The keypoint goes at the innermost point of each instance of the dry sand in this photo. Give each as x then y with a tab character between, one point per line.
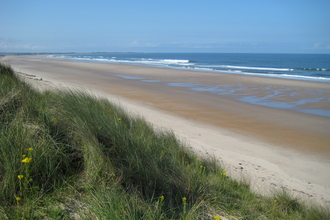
271	148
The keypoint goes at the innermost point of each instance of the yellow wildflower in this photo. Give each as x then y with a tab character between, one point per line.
20	176
162	197
184	199
18	198
30	149
275	201
27	160
216	218
118	119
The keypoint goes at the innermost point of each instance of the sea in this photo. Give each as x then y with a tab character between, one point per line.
307	67
310	67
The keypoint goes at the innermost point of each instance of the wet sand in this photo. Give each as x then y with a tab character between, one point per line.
274	148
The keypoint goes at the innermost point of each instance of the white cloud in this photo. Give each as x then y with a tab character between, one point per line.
4	43
137	44
321	46
11	44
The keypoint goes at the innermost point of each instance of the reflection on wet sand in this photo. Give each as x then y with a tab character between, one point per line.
310	101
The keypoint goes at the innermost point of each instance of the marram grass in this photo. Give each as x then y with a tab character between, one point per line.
69	155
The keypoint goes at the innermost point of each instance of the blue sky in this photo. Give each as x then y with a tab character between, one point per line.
234	26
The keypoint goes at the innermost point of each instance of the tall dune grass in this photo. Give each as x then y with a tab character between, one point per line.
88	159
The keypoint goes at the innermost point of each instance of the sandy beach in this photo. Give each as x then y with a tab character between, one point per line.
271	148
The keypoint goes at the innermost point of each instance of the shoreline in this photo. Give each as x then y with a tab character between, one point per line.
192	63
244	137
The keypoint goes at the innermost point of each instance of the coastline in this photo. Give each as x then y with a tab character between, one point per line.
273	148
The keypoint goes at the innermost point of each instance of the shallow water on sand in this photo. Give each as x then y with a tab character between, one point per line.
310	101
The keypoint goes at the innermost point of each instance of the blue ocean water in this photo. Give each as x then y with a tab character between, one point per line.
310	67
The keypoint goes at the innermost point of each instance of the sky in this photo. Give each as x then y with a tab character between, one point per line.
221	26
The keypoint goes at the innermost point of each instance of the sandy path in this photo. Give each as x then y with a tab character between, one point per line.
272	148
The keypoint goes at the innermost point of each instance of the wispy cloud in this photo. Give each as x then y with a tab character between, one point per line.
138	44
321	46
210	44
8	44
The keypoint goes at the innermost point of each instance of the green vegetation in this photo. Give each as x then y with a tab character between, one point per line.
69	155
